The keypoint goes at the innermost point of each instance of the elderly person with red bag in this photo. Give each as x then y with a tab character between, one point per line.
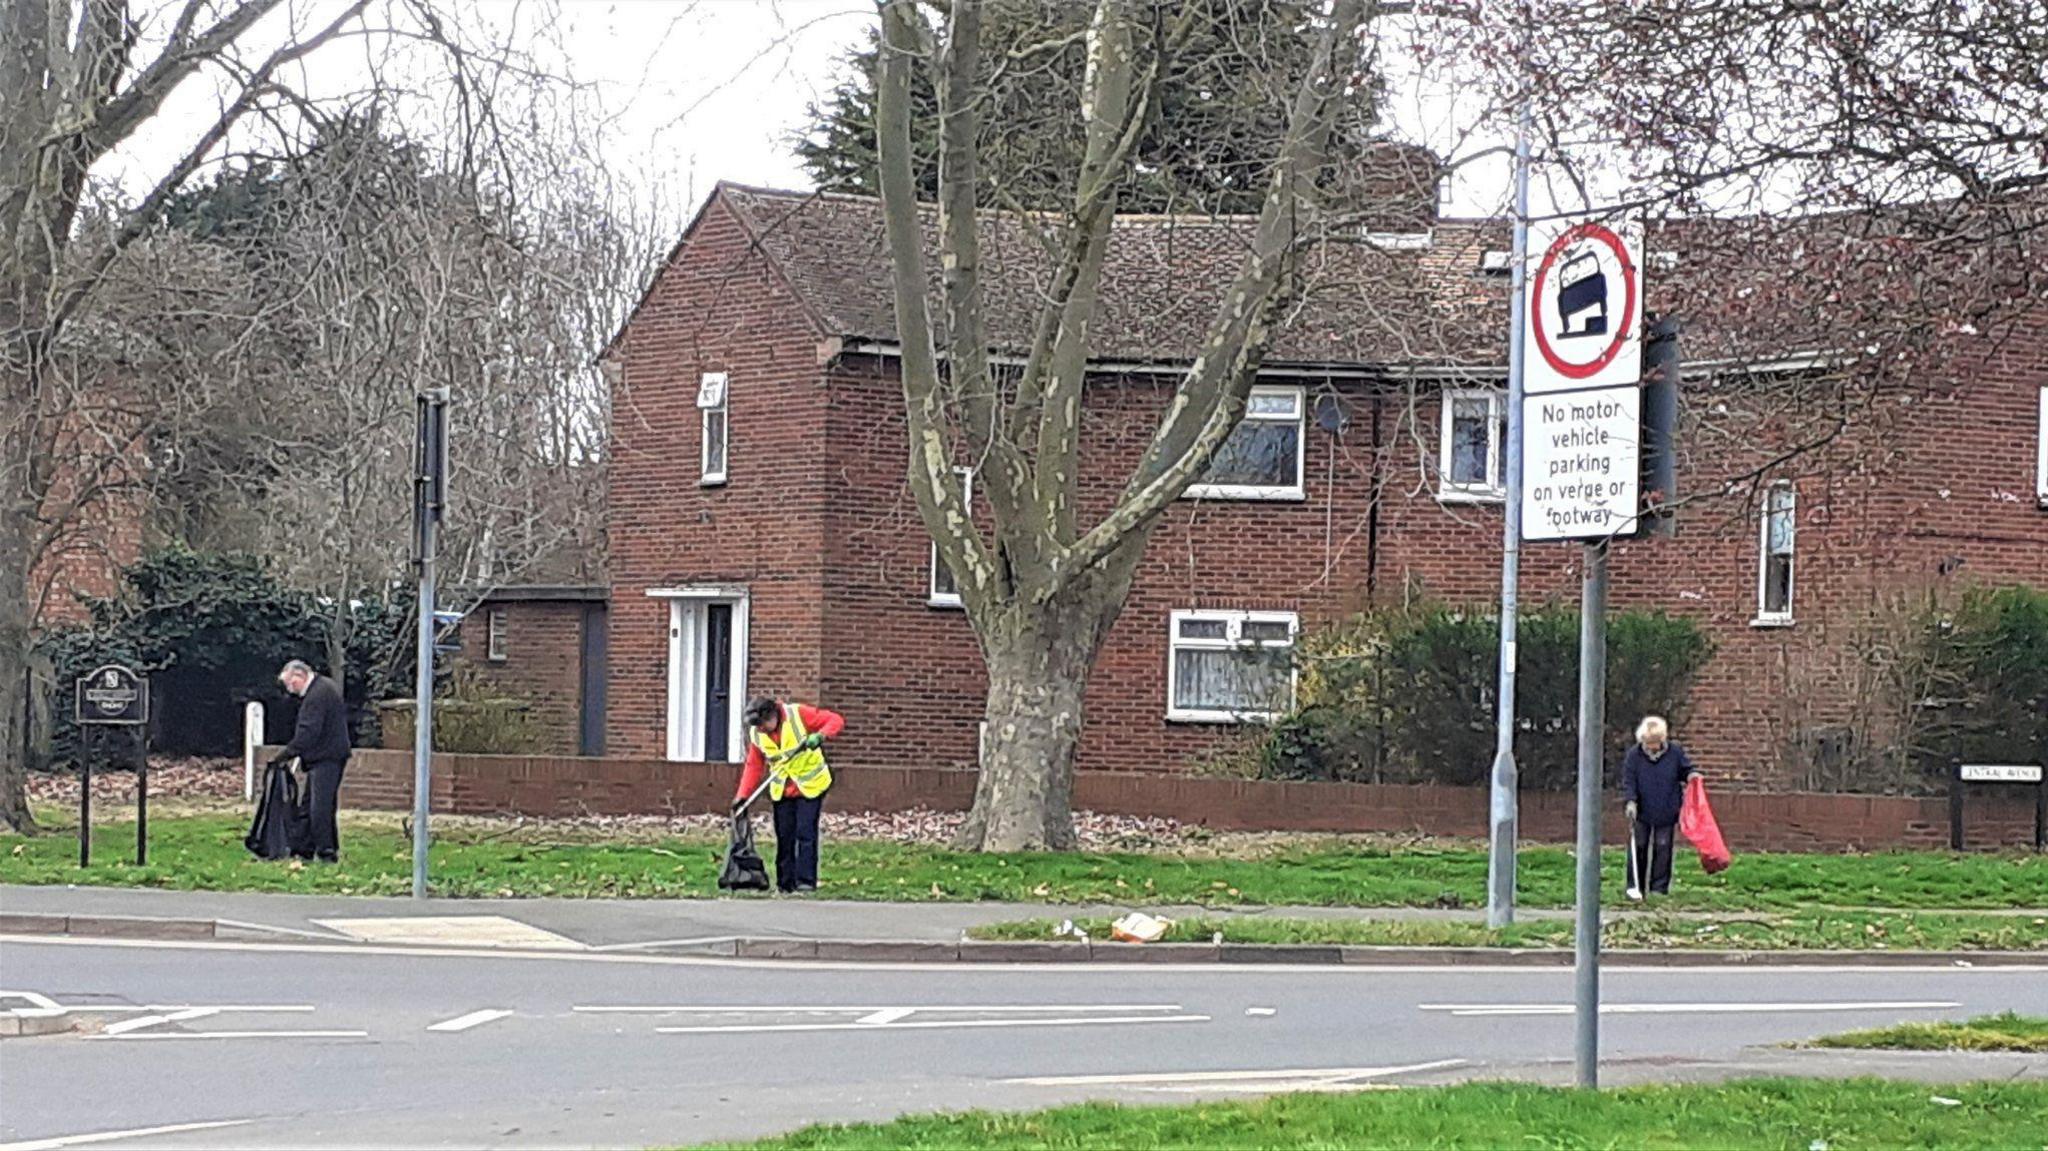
1653	794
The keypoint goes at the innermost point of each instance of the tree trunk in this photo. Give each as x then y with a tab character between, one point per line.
1038	665
16	638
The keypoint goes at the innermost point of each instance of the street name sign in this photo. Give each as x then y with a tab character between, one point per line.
1582	397
2001	773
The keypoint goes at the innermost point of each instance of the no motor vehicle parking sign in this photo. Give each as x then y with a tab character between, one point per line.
1581	373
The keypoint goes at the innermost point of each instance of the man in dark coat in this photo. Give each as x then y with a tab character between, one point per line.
1653	793
320	744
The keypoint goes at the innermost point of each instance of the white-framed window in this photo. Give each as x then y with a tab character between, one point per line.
944	590
1262	459
1472	456
1230	666
1776	539
2041	452
494	634
711	402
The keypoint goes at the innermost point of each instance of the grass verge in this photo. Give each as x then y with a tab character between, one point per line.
475	858
1831	930
1840	1115
2005	1031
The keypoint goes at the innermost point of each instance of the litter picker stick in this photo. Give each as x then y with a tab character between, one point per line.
749	801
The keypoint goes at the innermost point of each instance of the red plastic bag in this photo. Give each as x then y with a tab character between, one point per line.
1696	821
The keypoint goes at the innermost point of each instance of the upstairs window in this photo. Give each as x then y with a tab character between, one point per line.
1230	666
711	398
1472	463
1775	547
2041	452
1262	459
494	626
945	591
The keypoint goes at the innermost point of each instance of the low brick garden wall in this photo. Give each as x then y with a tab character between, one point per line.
568	786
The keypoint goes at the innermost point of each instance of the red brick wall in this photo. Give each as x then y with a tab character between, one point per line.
543	665
716	307
507	785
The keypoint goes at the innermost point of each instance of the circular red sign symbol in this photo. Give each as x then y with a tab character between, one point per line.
1540	316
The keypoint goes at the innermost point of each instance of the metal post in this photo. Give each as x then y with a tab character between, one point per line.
86	737
1592	766
1503	820
430	494
142	797
1955	804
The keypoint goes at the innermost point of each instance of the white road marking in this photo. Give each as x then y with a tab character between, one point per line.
1285	1075
886	1016
473	1019
815	1009
985	970
142	1021
41	1006
1261	1011
930	1024
1685	1008
132	1133
232	1035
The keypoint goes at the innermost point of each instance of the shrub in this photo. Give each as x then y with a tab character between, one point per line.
1408	696
1979	672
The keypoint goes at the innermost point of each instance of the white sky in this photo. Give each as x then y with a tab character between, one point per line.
695	91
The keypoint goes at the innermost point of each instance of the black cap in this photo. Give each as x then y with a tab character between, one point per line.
760	710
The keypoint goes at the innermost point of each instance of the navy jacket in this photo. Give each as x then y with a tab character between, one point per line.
1656	786
322	732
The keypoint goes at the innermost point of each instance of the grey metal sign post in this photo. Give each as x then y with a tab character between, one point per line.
112	696
1581	435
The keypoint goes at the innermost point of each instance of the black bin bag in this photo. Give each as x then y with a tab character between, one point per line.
743	870
283	825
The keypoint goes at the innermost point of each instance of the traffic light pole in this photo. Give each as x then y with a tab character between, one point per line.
429	498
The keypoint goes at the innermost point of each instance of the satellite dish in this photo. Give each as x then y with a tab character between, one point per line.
1330	414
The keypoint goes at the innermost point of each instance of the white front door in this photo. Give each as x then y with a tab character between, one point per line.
707	675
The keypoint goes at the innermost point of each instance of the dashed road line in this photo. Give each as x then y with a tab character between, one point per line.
930	1024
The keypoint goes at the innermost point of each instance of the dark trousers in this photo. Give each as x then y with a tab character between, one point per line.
1650	847
323	782
796	842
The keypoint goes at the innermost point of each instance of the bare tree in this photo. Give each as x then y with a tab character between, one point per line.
1042	587
76	83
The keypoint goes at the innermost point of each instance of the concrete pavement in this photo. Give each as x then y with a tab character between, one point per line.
320	1044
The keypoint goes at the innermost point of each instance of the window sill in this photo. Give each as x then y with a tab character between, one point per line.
1771	622
711	482
945	603
1246	494
497	659
1220	717
1472	496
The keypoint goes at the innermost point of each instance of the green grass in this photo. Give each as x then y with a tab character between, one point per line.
1793	1114
473	859
2005	1031
1848	930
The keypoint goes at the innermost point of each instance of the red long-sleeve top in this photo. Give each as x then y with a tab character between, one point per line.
816	720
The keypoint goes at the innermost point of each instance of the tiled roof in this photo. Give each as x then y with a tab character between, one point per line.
1362	301
1749	290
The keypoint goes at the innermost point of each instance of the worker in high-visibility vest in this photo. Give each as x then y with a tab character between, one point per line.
787	749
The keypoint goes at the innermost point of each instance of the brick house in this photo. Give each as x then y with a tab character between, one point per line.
764	540
544	645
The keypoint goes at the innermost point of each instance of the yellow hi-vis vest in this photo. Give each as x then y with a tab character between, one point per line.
789	760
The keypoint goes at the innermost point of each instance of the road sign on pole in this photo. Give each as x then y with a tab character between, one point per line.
1582	480
1582	406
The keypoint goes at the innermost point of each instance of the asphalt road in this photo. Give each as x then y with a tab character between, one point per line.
365	1046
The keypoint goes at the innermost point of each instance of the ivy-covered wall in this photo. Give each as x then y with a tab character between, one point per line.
211	631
